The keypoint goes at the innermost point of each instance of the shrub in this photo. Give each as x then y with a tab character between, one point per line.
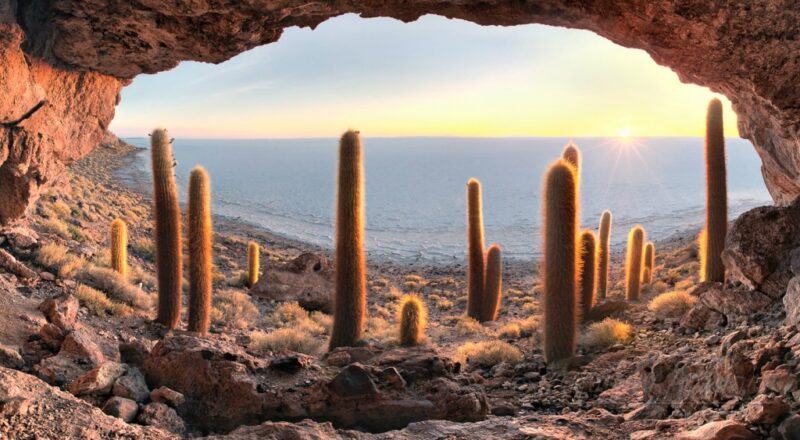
233	309
57	227
606	333
144	249
56	257
671	304
487	353
116	286
293	316
98	303
468	326
285	339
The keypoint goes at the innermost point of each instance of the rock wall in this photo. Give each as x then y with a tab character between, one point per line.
77	54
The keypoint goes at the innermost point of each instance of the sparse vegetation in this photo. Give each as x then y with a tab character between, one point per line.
115	286
468	326
487	353
98	303
671	304
606	333
285	339
57	258
293	316
234	309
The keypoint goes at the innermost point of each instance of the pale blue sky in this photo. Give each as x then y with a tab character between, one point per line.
432	77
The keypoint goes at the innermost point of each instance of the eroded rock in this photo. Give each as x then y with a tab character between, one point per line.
125	409
306	280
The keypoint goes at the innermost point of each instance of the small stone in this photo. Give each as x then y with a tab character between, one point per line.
161	416
789	429
134	352
720	430
167	396
291	364
504	409
10	358
353	381
132	386
338	359
765	409
99	380
730	339
778	380
52	335
125	409
61	311
392	378
712	340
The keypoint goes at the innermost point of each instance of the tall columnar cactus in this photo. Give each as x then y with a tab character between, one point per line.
603	253
559	268
633	264
588	270
493	286
198	233
253	265
475	262
412	317
716	195
649	262
119	247
169	263
349	311
572	154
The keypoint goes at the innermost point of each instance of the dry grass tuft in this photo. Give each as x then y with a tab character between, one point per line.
468	326
285	339
520	328
233	309
57	227
487	353
116	286
606	333
98	303
671	304
56	257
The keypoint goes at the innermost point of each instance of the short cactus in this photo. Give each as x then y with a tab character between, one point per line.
350	300
493	287
649	262
475	257
716	195
199	235
572	154
559	268
633	264
253	265
588	269
412	317
603	254
167	212
119	247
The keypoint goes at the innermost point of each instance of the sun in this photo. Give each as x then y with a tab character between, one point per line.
624	133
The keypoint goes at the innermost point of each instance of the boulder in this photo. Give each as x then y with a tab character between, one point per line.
125	409
766	409
131	386
779	380
99	381
78	355
52	335
161	416
61	311
789	429
759	246
134	352
10	357
306	280
791	302
353	382
720	430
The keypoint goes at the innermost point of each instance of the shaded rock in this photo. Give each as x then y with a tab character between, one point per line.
79	344
51	335
131	386
292	363
161	416
736	305
134	352
392	378
765	409
10	357
791	302
417	364
789	429
721	430
700	317
78	355
167	396
779	380
606	309
304	430
125	409
61	311
98	381
759	245
353	381
11	264
307	280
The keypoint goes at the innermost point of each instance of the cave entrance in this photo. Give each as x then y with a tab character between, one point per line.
439	101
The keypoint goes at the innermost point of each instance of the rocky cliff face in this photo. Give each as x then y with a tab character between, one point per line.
76	55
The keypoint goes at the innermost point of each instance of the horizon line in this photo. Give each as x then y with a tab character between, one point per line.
427	137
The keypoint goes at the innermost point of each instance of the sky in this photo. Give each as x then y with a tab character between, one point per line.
432	77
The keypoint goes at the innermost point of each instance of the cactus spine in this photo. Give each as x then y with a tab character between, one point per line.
168	230
588	270
494	283
633	264
603	255
649	262
119	247
716	195
199	238
253	253
350	289
476	266
560	208
412	318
